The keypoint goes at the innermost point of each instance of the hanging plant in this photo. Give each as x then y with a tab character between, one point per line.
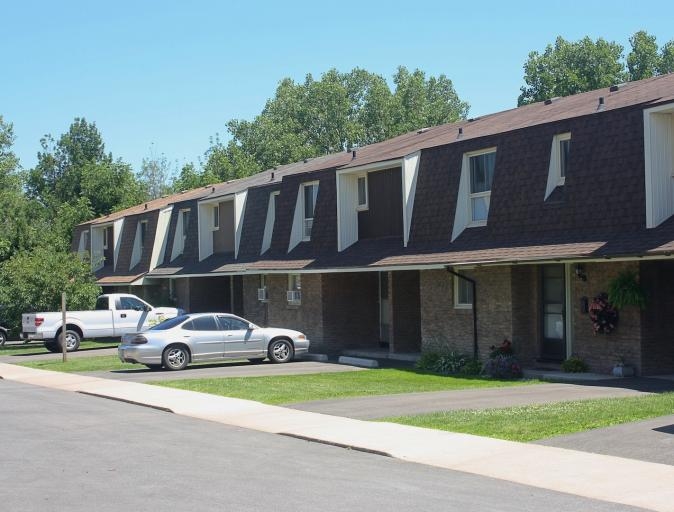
625	290
603	315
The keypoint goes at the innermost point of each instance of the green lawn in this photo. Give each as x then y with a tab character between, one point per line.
533	422
303	388
34	348
83	364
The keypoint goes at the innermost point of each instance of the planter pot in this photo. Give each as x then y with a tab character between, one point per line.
623	371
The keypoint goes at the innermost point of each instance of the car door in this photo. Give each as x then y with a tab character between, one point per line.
204	338
130	315
240	340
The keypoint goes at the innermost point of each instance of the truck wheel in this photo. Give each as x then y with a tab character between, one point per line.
72	341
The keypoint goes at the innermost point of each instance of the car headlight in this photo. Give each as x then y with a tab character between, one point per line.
301	337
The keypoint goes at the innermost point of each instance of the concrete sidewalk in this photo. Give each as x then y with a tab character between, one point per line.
608	478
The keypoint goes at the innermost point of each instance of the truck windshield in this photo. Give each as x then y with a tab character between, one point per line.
102	303
169	324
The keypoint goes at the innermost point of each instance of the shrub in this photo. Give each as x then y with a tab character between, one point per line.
502	363
446	363
428	361
574	364
472	367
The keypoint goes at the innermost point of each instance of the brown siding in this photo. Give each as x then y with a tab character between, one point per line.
384	216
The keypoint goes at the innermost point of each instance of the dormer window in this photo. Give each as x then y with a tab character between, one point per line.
309	195
559	162
105	238
185	214
216	217
362	192
143	232
481	177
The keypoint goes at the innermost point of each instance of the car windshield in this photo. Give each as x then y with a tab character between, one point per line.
169	324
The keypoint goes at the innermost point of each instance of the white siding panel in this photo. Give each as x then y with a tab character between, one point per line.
239	209
296	232
659	158
410	172
347	227
117	239
137	249
461	217
161	237
269	222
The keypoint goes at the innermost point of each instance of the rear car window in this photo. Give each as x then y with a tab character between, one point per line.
102	303
169	324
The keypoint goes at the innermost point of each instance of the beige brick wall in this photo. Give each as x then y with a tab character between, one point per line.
445	327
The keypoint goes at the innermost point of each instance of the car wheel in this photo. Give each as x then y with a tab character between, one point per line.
52	346
154	366
3	338
256	360
281	351
72	341
175	357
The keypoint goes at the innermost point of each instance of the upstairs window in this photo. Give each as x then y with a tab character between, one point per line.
143	232
559	162
105	238
362	192
310	195
481	177
186	221
216	217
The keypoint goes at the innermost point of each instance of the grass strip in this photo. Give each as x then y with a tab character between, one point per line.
290	389
33	348
534	422
82	364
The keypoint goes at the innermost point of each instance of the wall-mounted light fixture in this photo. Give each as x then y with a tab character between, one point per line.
580	272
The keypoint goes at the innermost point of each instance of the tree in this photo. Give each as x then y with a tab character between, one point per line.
571	67
339	111
33	281
77	166
189	178
156	174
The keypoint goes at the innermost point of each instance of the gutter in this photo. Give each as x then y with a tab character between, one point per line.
474	308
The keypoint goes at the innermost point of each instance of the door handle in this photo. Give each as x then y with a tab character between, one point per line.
123	315
186	335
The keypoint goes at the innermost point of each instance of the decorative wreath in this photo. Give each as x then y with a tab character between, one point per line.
603	315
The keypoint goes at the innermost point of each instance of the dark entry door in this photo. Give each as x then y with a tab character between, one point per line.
553	345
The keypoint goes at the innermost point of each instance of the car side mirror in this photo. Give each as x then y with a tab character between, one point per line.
147	308
251	327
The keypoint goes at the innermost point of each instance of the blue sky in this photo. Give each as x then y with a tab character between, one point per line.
166	76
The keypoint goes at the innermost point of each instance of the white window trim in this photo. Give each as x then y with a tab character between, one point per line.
467	156
304	219
555	178
457	304
215	222
366	205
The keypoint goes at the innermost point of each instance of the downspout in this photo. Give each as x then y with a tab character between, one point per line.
474	286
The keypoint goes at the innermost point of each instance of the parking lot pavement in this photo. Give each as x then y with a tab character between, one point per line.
648	440
223	370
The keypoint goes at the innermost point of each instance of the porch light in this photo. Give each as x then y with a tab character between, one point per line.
580	273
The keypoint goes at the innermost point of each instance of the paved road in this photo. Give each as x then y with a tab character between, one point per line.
371	407
649	440
65	451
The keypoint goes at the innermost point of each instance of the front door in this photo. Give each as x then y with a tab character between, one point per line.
384	310
553	344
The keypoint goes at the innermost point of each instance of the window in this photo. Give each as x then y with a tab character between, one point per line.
229	323
105	238
130	303
169	324
564	146
202	323
294	289
362	192
85	240
262	290
186	222
310	194
481	177
216	217
102	303
143	232
463	293
559	162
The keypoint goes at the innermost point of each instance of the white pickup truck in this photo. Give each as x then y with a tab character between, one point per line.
116	314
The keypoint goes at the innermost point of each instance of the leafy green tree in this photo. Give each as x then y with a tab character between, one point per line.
33	281
190	178
643	61
77	166
156	174
568	67
339	111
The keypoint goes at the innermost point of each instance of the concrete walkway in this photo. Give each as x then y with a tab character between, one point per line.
613	479
371	407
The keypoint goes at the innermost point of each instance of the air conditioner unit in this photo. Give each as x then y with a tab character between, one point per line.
262	294
294	296
308	224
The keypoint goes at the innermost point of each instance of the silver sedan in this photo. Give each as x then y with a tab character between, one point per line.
199	337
